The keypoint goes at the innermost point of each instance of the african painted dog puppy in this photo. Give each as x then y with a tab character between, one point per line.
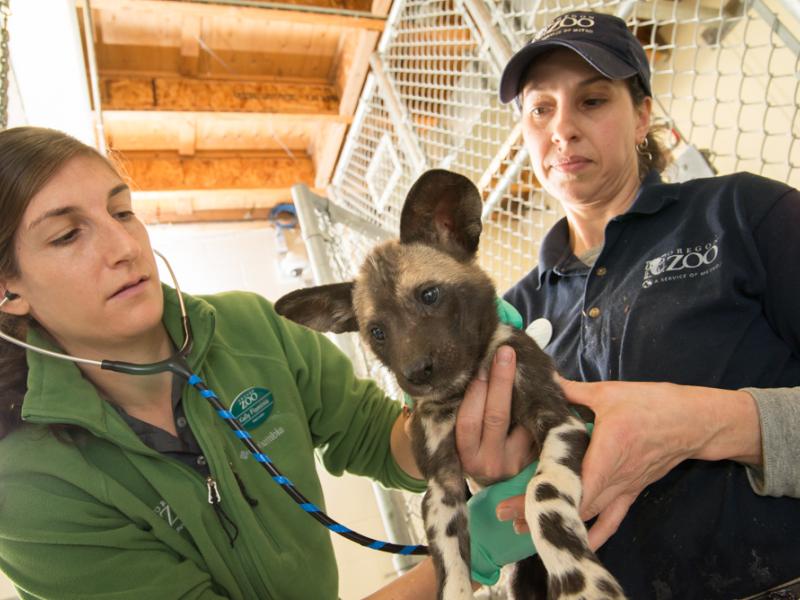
427	311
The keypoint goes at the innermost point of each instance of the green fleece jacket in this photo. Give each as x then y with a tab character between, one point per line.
100	515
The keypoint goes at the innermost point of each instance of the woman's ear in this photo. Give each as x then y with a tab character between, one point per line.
644	112
14	304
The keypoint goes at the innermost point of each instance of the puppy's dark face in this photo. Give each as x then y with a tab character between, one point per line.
427	316
422	304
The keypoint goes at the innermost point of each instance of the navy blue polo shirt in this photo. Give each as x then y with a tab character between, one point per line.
697	283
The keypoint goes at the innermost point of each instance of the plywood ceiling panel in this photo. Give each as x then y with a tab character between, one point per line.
139	93
170	171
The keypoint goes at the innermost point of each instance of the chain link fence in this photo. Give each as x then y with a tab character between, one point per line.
5	63
726	84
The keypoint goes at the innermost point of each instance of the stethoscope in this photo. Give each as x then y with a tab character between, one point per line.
177	365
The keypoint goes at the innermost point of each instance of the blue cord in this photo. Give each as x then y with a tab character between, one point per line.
289	487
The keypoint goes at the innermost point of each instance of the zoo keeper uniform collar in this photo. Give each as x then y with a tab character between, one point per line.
555	254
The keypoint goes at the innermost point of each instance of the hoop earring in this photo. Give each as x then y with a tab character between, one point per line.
642	149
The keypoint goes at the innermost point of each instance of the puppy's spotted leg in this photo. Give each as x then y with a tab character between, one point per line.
551	509
444	508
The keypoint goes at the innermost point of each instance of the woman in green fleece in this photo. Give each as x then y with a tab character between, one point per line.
115	486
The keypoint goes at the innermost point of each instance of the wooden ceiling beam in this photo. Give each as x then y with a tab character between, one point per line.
211	215
324	150
352	67
321	17
113	73
190	45
351	70
187	138
380	7
171	171
145	93
198	206
153	130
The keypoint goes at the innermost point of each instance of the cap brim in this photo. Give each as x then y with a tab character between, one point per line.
604	61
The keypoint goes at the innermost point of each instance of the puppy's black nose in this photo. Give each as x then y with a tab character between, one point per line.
419	372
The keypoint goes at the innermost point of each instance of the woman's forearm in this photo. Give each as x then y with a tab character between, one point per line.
417	584
729	424
401	447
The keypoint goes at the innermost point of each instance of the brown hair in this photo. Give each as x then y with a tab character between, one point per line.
29	157
654	156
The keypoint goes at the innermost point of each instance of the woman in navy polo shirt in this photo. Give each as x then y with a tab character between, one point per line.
674	312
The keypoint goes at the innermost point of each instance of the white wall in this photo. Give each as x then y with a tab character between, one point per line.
213	258
49	72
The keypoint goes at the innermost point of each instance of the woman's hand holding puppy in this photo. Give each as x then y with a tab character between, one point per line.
642	432
489	452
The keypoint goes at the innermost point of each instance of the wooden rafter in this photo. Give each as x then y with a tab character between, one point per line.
324	150
380	7
192	206
190	45
298	14
157	131
351	72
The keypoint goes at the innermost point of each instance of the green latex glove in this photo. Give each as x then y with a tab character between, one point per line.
508	315
494	543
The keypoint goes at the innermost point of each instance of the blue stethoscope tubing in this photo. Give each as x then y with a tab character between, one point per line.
177	364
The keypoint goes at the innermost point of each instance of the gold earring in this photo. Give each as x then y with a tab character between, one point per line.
642	149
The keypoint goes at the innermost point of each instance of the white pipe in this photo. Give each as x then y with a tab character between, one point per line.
88	28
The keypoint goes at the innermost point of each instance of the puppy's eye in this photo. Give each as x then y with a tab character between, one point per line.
377	333
430	295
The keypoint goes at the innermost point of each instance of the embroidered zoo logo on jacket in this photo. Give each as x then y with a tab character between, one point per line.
682	263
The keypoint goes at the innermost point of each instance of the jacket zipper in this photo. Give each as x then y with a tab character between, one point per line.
213	491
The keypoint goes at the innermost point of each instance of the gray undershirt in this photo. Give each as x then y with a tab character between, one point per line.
185	447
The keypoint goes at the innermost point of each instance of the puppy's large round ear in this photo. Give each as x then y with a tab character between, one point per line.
324	308
443	209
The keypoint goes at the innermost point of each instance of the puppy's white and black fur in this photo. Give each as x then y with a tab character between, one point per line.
427	311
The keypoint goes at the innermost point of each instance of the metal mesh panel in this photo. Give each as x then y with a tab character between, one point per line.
362	187
447	82
513	231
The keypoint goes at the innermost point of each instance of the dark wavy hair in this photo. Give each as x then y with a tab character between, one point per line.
655	156
29	158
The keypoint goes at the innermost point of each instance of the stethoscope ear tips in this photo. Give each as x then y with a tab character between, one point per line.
10	295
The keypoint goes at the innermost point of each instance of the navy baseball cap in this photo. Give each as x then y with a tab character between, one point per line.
604	41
